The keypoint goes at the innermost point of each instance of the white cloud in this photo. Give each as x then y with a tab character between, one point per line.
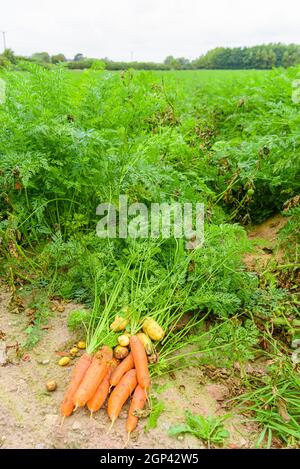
150	29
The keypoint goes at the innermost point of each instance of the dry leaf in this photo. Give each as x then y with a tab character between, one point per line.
282	410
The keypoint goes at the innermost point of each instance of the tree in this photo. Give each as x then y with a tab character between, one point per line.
42	57
78	57
291	56
171	62
9	55
55	59
4	62
262	57
183	62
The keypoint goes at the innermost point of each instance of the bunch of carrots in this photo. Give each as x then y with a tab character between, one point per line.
94	376
115	372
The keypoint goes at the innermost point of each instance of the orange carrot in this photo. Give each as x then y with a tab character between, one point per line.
93	377
140	362
125	365
78	373
120	394
138	403
102	391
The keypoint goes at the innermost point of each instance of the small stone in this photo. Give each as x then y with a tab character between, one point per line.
40	446
243	443
180	438
42	362
76	426
165	426
3	355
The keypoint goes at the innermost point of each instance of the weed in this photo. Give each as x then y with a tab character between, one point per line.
157	407
209	429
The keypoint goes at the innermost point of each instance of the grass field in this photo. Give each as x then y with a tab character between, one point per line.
228	139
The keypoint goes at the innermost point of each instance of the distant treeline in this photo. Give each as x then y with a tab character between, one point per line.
265	56
111	65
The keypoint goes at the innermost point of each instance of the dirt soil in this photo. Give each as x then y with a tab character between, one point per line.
29	414
266	249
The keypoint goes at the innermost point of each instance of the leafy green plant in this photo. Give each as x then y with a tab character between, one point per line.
41	315
78	319
156	409
233	341
209	429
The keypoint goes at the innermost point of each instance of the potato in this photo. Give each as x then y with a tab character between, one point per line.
81	344
64	361
120	352
73	351
146	341
119	324
51	386
153	329
123	340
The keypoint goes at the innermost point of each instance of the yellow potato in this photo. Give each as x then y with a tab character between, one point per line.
119	324
123	340
81	344
153	329
64	361
73	350
51	386
120	352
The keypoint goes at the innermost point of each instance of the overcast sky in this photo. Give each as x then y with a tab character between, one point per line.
145	29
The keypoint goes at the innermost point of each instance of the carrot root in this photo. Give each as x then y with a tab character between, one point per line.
94	376
125	365
127	440
78	374
140	362
120	394
110	427
138	403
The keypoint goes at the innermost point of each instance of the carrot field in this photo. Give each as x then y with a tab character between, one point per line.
155	339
